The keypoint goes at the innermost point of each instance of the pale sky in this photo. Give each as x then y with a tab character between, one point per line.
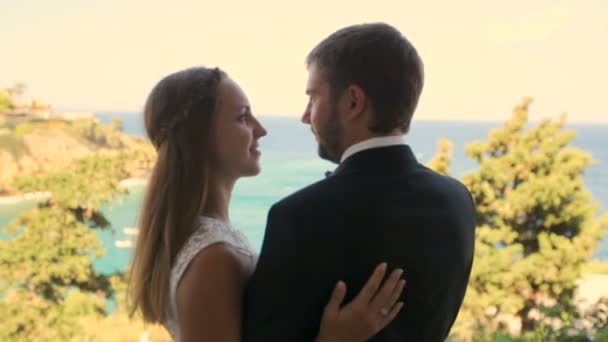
481	57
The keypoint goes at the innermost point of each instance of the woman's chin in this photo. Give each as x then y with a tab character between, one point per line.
253	171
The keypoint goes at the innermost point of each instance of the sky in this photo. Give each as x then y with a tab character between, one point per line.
481	57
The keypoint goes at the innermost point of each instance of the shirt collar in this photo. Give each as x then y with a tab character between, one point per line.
372	143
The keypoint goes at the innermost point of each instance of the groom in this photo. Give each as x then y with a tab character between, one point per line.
379	205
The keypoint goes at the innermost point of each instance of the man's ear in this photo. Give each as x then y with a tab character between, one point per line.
356	101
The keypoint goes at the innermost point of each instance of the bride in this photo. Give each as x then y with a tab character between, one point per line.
190	265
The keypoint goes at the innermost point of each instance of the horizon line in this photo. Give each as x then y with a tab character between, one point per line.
415	118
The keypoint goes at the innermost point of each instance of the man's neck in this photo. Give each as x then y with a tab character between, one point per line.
373	142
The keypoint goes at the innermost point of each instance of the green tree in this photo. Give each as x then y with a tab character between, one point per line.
100	134
6	101
47	279
537	225
118	326
443	157
116	124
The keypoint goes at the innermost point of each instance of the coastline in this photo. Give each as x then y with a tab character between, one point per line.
42	195
133	182
29	196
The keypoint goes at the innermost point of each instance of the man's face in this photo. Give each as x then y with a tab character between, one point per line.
322	114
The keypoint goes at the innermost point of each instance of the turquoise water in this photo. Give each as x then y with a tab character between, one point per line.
289	162
251	200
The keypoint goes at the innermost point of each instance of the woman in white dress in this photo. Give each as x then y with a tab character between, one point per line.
190	266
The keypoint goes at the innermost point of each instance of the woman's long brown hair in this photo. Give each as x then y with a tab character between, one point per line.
179	119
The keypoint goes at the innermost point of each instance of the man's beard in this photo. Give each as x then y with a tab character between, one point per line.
329	138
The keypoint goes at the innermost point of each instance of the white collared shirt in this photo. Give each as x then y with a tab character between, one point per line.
372	143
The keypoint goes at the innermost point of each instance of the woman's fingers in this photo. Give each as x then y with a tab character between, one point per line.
392	314
371	286
374	307
386	297
396	294
337	296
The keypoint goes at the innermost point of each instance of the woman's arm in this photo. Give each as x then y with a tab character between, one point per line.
210	292
209	296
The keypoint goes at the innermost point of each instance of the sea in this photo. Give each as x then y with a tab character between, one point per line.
289	162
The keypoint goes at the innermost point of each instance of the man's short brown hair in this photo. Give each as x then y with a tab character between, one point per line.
380	60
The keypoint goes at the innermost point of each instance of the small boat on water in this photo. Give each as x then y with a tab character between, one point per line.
123	243
130	230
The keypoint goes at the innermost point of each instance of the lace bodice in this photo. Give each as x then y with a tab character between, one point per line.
210	231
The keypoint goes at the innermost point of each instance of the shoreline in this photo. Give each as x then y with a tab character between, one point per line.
133	182
42	195
15	199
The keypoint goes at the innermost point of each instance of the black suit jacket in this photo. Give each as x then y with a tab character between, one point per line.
379	205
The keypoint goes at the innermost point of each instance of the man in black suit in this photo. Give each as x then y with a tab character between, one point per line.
379	205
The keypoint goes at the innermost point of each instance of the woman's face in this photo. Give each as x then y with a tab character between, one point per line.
237	133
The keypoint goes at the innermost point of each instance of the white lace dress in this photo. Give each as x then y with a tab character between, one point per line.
210	231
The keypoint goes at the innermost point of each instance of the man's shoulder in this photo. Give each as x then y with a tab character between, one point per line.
442	181
312	195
